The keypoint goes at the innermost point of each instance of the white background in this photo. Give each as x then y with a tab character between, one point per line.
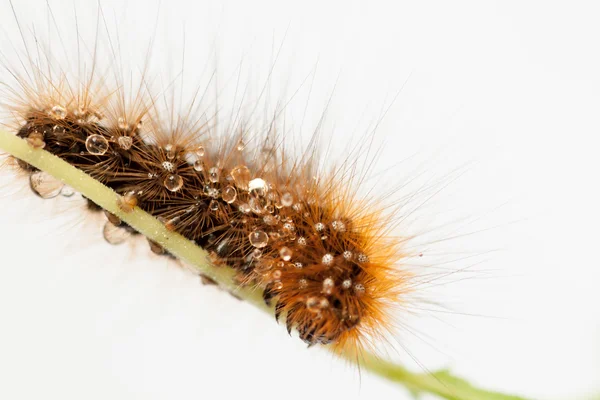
511	89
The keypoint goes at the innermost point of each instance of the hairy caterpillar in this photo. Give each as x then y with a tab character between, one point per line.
318	250
313	246
304	237
233	141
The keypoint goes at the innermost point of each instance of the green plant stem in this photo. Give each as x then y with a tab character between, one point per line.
440	383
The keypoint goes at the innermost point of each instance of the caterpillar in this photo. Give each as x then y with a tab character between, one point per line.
308	241
321	251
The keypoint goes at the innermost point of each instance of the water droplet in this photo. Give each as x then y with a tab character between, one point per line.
319	226
287	199
347	283
199	165
125	142
258	204
277	286
256	253
211	191
327	259
362	258
58	130
274	235
45	185
168	166
258	239
289	227
285	253
229	194
347	255
258	186
245	208
241	145
328	285
276	275
316	304
96	144
115	234
301	241
269	220
213	205
303	283
170	151
57	112
299	265
338	226
200	151
81	115
214	174
67	191
359	288
173	182
122	124
241	177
